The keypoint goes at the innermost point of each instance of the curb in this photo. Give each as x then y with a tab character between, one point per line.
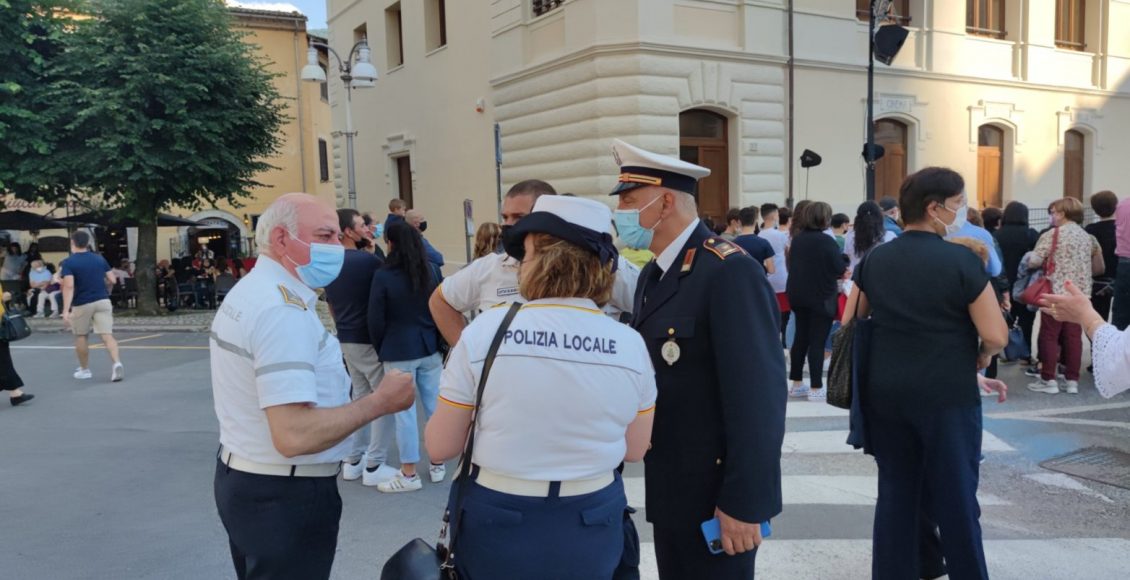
183	329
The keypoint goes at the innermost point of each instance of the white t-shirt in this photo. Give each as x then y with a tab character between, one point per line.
779	240
564	387
269	348
493	279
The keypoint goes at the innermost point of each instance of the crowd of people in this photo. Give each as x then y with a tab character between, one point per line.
553	358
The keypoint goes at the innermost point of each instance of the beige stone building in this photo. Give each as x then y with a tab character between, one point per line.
1023	97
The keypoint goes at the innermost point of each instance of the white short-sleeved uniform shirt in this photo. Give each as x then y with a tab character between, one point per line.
269	348
493	279
566	384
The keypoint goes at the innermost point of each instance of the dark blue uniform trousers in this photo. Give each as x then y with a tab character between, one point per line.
278	527
681	554
928	459
534	538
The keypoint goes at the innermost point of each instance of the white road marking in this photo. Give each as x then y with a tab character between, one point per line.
1065	481
805	409
822	559
834	442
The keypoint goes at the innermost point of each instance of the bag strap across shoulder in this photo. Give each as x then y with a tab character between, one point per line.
1049	269
469	450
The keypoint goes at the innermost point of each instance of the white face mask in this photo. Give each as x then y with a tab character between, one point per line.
960	214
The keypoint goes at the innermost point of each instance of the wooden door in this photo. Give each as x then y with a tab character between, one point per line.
990	166
703	141
890	171
404	179
1073	165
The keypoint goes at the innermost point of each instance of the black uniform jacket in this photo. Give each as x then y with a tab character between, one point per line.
720	414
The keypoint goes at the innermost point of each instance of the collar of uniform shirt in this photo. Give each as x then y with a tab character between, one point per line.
275	270
585	304
666	258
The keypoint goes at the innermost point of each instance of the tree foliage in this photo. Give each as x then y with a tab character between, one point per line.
31	36
161	104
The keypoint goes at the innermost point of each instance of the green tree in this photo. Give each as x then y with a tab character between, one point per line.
31	34
168	107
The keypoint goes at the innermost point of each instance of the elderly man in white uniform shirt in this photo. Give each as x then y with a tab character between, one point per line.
282	399
493	279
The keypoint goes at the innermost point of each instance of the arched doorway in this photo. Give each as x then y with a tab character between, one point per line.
704	140
218	235
890	171
990	166
1073	164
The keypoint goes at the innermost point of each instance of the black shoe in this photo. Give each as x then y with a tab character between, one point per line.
1032	371
20	399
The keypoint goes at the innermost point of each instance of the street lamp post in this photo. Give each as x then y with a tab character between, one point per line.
360	74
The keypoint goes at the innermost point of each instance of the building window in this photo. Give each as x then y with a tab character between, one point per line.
900	12
394	35
543	6
323	160
985	18
1070	24
990	166
890	171
404	179
1073	168
435	16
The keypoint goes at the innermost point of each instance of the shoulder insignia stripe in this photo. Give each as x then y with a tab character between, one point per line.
722	248
290	298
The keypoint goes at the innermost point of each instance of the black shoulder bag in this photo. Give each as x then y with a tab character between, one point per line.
418	560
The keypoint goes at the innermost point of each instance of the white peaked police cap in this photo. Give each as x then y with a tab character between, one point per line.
641	168
583	222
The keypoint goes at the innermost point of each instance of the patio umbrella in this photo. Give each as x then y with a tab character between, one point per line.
108	219
19	219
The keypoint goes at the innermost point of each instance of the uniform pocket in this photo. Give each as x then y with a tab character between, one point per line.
605	514
673	327
488	515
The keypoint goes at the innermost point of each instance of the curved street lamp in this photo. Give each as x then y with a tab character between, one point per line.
359	74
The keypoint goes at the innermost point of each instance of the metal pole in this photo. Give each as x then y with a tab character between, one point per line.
870	151
352	178
498	164
792	115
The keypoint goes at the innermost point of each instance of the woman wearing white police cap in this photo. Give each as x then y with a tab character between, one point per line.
569	395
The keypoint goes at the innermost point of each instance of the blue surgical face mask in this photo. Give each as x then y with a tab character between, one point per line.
325	264
630	231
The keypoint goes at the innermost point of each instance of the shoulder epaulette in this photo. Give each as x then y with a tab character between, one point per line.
721	248
291	298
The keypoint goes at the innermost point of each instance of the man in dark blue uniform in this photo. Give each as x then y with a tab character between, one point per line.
711	323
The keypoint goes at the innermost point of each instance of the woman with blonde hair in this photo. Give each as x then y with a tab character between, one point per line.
487	239
568	395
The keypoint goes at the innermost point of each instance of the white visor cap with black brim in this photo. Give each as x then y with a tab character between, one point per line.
582	222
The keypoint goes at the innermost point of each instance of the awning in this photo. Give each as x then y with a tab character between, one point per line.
19	219
109	219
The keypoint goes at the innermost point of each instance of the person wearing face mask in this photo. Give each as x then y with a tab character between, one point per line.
1067	252
348	298
415	218
39	278
961	227
710	320
282	399
935	322
493	279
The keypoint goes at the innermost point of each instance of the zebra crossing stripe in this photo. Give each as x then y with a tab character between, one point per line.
833	442
1045	558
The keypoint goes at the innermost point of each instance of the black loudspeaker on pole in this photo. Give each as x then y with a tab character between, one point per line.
808	160
884	46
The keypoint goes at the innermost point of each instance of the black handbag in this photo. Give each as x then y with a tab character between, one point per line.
846	370
418	560
14	327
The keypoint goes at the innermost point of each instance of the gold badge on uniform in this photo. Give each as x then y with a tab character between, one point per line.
670	350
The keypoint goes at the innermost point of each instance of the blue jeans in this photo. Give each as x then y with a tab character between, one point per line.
426	371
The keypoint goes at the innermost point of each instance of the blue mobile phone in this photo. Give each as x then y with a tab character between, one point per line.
712	531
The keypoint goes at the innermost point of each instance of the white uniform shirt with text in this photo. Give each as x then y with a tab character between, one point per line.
268	347
566	384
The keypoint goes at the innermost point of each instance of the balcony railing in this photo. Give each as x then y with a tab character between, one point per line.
544	6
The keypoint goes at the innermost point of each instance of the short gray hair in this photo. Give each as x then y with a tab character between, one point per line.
283	212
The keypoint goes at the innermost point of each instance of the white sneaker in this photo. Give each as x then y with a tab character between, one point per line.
401	483
437	472
118	373
827	363
377	476
817	395
83	374
1042	386
1071	387
799	391
352	471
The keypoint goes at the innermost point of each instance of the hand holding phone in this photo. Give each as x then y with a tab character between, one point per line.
712	532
